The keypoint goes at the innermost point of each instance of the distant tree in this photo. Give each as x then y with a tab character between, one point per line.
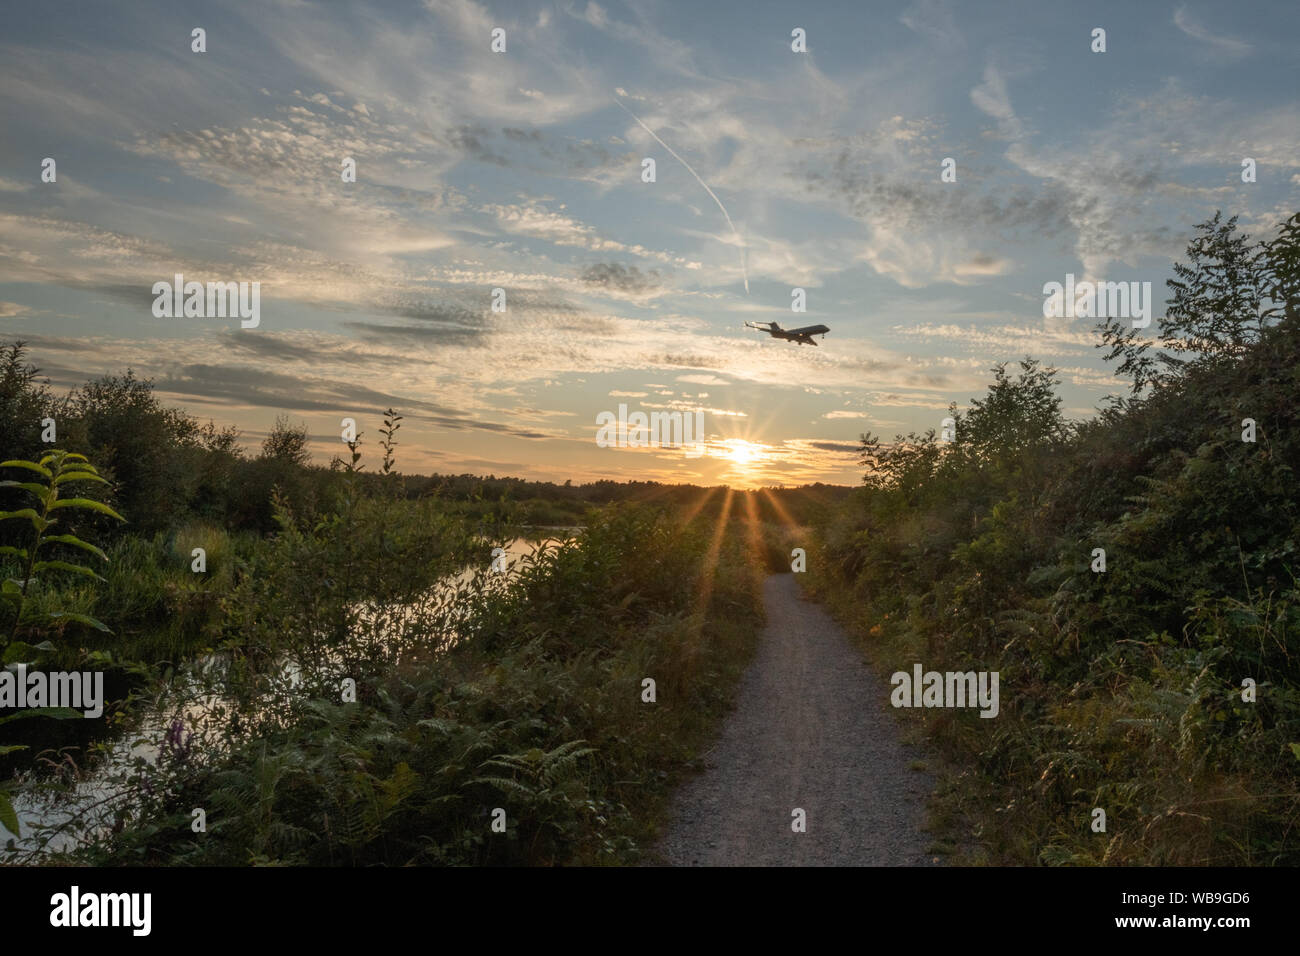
286	443
218	461
1280	266
1017	415
119	421
1217	310
906	465
23	402
224	440
1013	426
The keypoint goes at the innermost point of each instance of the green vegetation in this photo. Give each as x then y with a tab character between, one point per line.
1121	690
535	705
57	470
345	677
348	680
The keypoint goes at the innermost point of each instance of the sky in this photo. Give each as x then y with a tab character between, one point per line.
522	170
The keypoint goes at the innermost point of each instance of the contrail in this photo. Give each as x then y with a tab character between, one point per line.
744	271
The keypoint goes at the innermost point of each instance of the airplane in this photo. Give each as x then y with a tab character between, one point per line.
802	336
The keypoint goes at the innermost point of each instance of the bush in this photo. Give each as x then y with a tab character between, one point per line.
1123	690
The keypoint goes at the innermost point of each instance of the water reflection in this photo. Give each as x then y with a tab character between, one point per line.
55	818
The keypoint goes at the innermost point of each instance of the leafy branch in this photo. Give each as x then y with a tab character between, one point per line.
56	469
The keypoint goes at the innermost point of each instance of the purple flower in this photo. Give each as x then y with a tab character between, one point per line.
176	745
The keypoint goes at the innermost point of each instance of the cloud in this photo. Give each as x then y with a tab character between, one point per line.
838	447
521	135
1104	189
991	97
259	387
619	279
469	139
982	264
703	380
1043	339
933	19
1222	46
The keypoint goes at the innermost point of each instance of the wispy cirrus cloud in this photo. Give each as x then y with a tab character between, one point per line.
1220	44
934	20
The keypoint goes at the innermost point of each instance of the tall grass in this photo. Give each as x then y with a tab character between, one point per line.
535	707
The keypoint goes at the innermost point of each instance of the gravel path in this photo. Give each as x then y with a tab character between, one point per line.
812	729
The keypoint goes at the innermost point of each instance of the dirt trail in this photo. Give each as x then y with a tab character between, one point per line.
812	729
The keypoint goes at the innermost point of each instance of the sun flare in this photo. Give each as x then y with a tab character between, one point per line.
739	451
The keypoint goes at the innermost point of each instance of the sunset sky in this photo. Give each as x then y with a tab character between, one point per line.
522	170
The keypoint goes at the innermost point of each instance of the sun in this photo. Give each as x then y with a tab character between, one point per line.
738	451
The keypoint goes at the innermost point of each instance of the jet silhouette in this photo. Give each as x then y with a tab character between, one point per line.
803	336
